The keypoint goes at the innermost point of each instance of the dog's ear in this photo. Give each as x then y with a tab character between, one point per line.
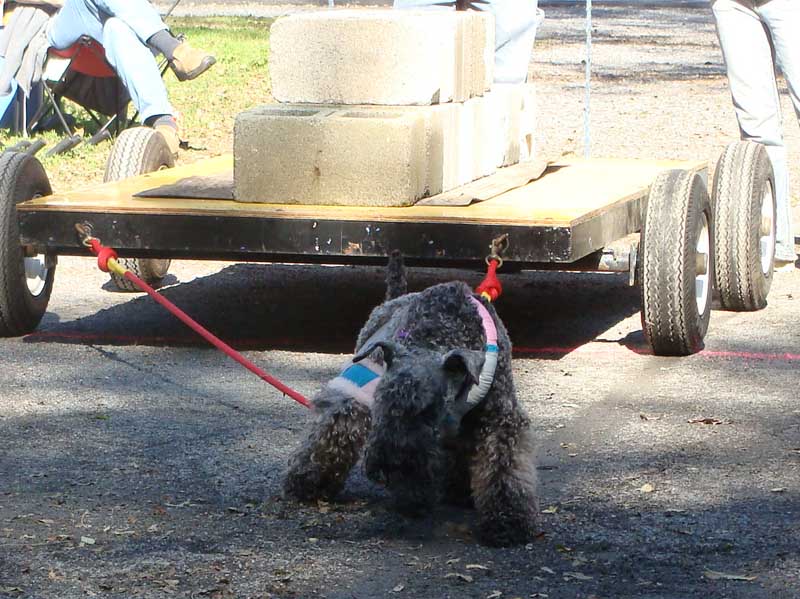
390	350
466	361
464	369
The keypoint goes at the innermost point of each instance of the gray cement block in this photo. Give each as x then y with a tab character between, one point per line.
488	52
478	136
322	155
375	156
528	123
383	57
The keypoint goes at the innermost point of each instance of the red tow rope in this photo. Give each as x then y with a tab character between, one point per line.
107	262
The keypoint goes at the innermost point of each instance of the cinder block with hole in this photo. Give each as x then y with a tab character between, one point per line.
383	57
347	156
370	155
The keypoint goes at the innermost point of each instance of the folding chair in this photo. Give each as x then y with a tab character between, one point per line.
16	109
82	74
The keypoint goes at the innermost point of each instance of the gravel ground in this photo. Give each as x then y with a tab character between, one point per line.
136	463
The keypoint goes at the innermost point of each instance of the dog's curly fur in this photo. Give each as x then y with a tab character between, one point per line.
412	437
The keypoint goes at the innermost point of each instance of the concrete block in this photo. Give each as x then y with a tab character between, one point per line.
487	22
299	154
376	156
478	136
384	57
504	104
528	124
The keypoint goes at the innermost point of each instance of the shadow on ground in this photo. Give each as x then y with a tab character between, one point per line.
321	309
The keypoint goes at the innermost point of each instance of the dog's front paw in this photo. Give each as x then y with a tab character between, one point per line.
499	531
309	479
308	487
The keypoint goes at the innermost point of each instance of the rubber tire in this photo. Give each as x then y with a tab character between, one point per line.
22	178
742	174
672	323
137	151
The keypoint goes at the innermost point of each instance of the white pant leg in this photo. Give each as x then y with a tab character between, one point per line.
516	22
125	49
139	15
137	67
782	18
751	75
86	17
515	25
74	19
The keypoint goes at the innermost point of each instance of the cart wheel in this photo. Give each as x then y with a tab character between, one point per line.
744	213
677	264
137	151
25	282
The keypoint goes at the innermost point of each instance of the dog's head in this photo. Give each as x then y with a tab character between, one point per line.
414	408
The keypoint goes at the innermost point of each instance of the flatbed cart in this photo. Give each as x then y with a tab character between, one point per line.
651	219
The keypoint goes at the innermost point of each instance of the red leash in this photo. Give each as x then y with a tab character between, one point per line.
106	261
490	288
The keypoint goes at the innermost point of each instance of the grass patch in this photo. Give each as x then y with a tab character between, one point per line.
208	105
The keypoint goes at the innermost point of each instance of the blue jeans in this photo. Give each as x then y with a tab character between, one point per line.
755	39
123	28
515	24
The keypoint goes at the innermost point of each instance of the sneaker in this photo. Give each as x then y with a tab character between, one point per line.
188	63
170	135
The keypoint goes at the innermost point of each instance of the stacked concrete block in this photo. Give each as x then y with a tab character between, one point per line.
373	155
512	118
305	154
384	57
379	108
528	124
472	139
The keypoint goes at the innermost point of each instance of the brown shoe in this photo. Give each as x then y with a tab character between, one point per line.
170	135
188	63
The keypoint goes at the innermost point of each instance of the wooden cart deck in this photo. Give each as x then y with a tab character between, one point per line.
575	209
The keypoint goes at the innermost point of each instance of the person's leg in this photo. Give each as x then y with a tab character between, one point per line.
783	21
751	76
143	19
74	19
516	22
137	67
139	15
515	29
87	17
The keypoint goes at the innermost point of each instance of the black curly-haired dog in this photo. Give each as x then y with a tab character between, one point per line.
429	400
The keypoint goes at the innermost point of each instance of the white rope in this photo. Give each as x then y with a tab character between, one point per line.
587	140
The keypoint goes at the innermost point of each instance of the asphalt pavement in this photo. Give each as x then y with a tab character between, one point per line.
137	462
